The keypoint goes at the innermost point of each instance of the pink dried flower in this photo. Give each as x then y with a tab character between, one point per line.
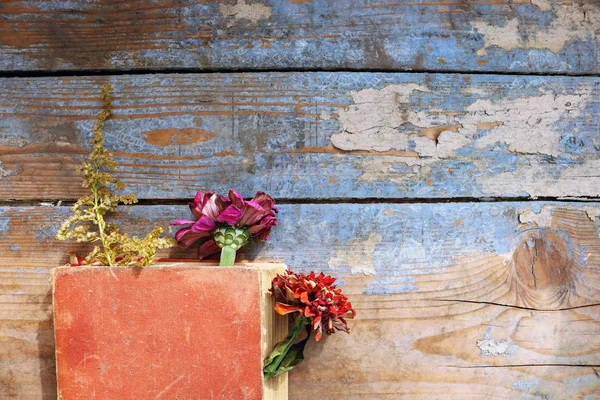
226	222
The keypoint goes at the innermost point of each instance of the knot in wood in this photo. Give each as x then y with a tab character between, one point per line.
543	263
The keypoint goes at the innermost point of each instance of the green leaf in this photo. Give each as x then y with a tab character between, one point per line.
278	350
291	360
286	354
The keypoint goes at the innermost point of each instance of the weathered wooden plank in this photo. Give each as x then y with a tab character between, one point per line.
309	135
454	301
501	35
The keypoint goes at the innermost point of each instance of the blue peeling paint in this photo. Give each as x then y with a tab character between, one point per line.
326	35
583	255
389	286
297	162
4	223
523	386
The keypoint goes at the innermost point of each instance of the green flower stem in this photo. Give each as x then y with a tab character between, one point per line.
227	256
287	354
230	239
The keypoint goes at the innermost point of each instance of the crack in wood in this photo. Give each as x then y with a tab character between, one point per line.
528	365
491	303
533	261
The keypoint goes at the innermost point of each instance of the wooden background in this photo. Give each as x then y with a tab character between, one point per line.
440	157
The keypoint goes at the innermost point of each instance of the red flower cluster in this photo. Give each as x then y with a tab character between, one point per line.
314	297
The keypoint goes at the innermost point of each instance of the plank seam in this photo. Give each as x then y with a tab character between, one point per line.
333	201
85	73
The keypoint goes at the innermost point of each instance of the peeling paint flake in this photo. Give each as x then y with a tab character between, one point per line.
449	141
15	141
527	124
252	12
3	171
543	5
4	223
592	212
506	37
571	22
373	122
490	347
522	386
543	217
360	260
379	120
542	180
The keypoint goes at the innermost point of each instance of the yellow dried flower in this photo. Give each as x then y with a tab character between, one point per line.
87	224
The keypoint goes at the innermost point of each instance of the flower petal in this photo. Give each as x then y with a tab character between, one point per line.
263	199
316	323
207	249
210	209
180	233
319	334
185	237
204	224
236	199
290	296
198	197
222	202
253	212
304	297
283	309
182	222
263	230
198	203
266	223
231	215
308	312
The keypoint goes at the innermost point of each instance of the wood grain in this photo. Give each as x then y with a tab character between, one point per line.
442	35
309	135
454	301
497	300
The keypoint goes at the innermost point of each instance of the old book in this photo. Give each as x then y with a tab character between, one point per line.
177	330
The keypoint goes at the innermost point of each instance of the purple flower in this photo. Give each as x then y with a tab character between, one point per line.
213	212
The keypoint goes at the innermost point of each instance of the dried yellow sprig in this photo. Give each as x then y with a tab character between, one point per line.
87	224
